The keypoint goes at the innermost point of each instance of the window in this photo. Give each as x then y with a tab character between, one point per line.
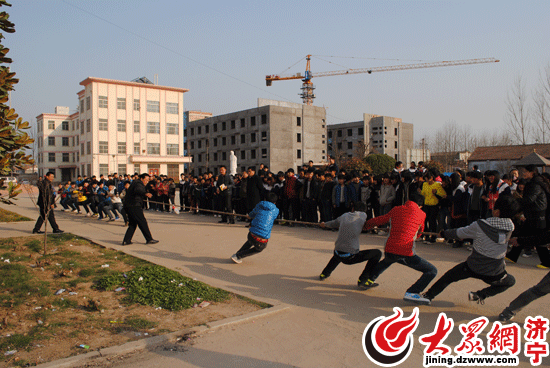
350	145
232	124
199	144
137	149
192	131
360	131
121	169
298	121
224	156
81	106
153	148
199	130
77	140
153	127
65	125
153	106
215	156
88	126
121	103
215	142
243	139
299	154
350	132
207	129
330	133
77	157
233	140
51	141
339	145
136	126
172	108
171	128
103	147
82	127
252	137
51	124
224	125
298	137
264	152
65	141
339	133
395	130
264	136
264	119
65	157
88	103
102	102
395	144
103	124
252	154
172	149
252	121
121	125
104	169
136	104
82	149
51	157
224	141
243	155
215	127
192	145
242	123
121	148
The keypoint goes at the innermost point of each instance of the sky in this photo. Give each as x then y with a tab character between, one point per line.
222	50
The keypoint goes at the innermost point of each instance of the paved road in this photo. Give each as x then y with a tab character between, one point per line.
324	325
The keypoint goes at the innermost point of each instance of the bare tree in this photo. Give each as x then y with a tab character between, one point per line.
541	117
517	112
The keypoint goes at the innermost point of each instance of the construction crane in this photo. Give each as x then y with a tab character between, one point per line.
307	88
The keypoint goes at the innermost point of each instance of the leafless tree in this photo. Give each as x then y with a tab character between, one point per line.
517	112
541	108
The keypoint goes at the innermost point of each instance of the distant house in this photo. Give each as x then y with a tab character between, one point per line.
503	158
452	160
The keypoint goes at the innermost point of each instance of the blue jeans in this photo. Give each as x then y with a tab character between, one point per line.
415	262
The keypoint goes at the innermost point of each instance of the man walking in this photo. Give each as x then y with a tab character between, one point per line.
46	202
224	188
133	205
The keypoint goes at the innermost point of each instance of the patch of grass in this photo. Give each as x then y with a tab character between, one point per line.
16	341
34	245
255	302
138	323
86	272
74	283
134	261
7	243
110	282
65	303
161	287
22	363
8	216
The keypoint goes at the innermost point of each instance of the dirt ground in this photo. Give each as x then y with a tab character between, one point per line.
42	326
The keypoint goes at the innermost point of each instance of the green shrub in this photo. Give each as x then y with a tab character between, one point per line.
35	245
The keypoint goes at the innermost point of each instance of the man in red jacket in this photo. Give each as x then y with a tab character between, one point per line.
407	222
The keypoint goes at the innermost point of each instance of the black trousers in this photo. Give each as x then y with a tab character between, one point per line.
372	256
539	290
461	271
250	247
136	219
42	217
226	205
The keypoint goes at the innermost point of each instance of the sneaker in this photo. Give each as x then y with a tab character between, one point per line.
416	298
506	315
322	276
100	218
89	214
542	267
367	284
474	297
95	215
236	259
76	211
117	218
528	254
112	219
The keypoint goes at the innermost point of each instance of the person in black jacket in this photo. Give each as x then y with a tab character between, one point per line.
224	188
46	202
254	189
133	205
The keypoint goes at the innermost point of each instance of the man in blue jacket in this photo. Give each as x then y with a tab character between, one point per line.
263	216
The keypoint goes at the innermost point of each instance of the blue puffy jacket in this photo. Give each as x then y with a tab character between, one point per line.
263	215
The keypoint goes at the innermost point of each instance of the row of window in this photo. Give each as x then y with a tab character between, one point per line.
152	106
152	148
232	125
65	157
223	140
64	141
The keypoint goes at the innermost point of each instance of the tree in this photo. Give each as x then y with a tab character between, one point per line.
541	110
380	163
517	112
13	138
434	164
350	164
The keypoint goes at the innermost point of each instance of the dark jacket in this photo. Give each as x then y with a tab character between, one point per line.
534	203
254	189
226	180
135	194
46	196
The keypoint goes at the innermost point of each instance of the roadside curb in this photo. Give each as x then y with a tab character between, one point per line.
155	341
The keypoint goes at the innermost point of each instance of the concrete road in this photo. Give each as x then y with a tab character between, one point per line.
324	326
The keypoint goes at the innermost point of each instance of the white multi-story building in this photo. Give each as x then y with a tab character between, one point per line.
122	127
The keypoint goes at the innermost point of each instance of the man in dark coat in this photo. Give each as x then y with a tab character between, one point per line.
224	188
46	202
133	205
254	189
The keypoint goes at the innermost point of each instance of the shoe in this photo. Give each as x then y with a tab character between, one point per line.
100	218
37	232
152	241
88	214
112	219
416	298
117	218
509	260
95	215
506	315
236	259
222	222
127	243
76	211
542	267
322	277
527	255
58	231
474	297
367	284
125	223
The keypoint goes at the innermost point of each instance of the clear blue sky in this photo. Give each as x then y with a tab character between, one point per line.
222	50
